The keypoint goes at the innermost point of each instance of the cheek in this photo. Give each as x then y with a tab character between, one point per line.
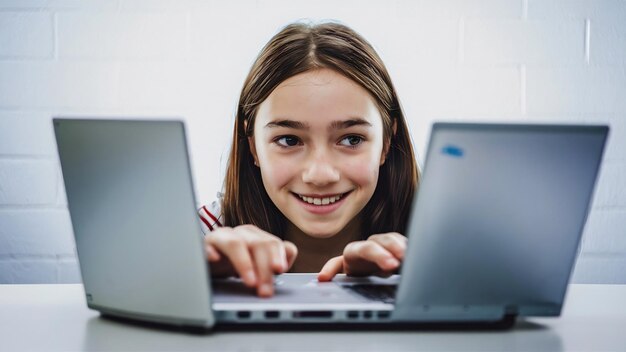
363	171
276	173
274	170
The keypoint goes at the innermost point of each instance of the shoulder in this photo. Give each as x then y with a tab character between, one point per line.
211	215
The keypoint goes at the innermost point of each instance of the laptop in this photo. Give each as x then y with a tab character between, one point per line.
493	232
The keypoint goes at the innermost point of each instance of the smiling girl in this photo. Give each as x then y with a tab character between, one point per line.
321	172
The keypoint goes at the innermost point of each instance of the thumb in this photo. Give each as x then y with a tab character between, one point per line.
332	267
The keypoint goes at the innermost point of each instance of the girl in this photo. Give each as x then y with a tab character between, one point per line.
321	171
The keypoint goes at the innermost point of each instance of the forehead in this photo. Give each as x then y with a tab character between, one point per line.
317	98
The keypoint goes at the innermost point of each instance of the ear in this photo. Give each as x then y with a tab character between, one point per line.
387	143
251	144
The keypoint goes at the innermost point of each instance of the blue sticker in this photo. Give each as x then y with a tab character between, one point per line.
452	151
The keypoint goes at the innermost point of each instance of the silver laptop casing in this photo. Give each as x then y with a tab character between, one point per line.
497	220
493	232
132	207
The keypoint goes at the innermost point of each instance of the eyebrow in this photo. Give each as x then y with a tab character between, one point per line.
335	125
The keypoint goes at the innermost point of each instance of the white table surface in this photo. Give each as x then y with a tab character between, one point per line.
56	318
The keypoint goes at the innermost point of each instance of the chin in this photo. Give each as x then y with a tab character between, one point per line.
321	233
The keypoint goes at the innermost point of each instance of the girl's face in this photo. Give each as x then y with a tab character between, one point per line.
318	139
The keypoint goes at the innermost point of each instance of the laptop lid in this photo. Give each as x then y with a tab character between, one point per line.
138	237
497	221
139	243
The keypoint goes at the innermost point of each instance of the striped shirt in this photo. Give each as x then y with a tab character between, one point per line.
211	216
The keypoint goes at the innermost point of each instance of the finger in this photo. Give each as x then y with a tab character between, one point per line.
392	242
372	252
212	253
332	267
264	271
292	252
278	256
236	250
274	245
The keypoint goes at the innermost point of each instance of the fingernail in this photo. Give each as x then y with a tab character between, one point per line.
281	264
265	290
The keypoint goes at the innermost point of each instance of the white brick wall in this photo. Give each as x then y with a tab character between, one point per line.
28	85
43	231
30	134
26	35
461	8
585	90
105	36
491	60
495	42
601	10
28	181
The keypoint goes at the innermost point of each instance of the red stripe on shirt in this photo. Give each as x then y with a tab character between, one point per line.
212	216
206	223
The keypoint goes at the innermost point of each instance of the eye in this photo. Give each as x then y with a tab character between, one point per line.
287	141
351	141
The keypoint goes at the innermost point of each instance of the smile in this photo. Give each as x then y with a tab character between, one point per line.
321	200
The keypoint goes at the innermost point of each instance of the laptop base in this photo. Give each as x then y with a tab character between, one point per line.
506	323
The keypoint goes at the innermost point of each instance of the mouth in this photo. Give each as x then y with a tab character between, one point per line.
321	200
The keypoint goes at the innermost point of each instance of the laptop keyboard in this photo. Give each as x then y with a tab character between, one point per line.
383	293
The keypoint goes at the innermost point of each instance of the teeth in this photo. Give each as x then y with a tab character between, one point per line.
320	201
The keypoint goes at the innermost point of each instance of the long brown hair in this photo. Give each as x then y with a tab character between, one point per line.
297	48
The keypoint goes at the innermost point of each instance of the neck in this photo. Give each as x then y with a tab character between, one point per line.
313	252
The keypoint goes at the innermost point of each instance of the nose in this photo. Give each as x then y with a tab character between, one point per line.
319	171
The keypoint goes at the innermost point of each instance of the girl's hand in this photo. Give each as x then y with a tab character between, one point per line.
250	253
379	255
